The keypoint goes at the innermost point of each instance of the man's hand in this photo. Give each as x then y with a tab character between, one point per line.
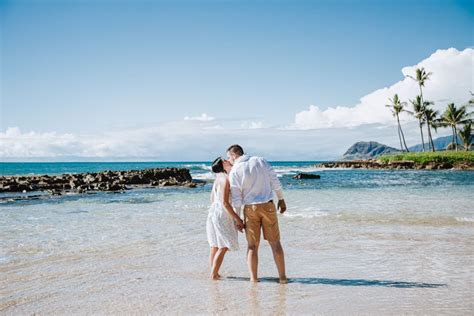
282	206
240	225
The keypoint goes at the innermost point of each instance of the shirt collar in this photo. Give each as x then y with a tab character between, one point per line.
241	159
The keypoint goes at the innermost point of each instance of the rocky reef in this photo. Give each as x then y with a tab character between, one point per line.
98	181
400	164
302	175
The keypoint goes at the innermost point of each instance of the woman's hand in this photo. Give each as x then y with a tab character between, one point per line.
240	225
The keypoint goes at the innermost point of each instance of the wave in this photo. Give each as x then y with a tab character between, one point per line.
193	167
465	219
384	219
308	212
292	170
205	176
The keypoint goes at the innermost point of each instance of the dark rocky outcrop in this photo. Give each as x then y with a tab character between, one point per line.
367	150
307	176
401	164
98	181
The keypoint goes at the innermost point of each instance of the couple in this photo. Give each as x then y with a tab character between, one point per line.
249	182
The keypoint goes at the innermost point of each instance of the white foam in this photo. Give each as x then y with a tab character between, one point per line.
204	176
201	166
465	219
296	169
308	212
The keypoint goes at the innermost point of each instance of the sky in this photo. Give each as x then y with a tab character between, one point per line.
181	80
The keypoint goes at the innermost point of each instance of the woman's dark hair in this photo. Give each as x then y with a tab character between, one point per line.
218	165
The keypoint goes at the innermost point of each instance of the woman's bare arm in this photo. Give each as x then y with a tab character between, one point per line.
227	204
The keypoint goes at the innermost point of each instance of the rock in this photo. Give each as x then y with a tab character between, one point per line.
135	179
402	164
89	178
307	176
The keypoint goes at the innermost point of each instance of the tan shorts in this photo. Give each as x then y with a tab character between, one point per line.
258	217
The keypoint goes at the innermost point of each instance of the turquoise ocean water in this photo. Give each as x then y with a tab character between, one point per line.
356	241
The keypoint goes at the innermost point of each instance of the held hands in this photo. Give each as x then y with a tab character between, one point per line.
282	206
240	225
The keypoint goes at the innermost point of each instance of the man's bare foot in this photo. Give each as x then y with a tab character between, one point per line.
254	280
284	281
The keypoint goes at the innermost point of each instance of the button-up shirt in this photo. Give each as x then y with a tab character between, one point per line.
253	181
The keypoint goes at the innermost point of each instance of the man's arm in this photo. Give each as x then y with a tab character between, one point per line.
274	181
276	186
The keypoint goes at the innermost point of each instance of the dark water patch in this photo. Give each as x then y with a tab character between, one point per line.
347	282
78	212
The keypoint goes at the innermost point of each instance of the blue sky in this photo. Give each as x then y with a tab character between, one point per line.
85	67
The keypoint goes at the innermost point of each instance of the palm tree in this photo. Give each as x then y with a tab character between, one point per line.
419	113
421	77
453	117
397	107
466	135
431	121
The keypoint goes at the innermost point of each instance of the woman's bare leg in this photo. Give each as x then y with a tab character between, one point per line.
212	254
216	264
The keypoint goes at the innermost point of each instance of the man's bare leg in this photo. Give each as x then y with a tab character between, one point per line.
279	257
252	261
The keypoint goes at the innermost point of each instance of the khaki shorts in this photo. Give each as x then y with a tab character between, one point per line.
258	217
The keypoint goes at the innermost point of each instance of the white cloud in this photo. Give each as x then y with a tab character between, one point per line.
451	81
251	124
204	117
174	141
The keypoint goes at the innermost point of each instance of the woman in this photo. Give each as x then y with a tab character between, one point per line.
222	221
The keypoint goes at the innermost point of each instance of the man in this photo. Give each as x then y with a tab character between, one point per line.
252	183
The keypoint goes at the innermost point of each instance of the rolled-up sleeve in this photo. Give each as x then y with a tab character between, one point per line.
274	181
235	191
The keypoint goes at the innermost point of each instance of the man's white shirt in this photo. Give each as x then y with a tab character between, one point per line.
253	181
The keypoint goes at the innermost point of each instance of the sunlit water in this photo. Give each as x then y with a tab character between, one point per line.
356	242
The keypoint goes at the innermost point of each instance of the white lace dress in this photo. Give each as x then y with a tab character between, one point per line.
221	230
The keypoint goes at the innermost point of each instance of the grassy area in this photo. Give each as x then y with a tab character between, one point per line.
426	157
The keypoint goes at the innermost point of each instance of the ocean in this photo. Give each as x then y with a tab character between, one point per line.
356	242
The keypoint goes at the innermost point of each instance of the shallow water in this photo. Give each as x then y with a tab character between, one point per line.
356	242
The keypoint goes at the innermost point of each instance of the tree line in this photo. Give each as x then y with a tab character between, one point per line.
458	118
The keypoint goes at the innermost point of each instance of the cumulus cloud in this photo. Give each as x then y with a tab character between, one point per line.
251	124
173	141
204	117
451	81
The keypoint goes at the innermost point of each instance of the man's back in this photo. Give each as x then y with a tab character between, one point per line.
252	181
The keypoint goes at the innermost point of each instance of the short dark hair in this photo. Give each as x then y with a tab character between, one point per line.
236	149
218	165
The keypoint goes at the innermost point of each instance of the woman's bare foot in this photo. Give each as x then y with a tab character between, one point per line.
254	280
215	277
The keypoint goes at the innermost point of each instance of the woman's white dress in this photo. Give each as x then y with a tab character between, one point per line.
221	230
